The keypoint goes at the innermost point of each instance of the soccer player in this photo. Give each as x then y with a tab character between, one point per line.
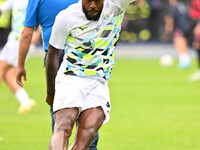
194	12
44	13
186	25
80	91
9	54
181	27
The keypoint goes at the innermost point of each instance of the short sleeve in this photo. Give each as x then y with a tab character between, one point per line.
60	31
31	13
122	4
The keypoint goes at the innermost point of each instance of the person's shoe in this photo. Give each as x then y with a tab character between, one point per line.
184	65
25	108
194	77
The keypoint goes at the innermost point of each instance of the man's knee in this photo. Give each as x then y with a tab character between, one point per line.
64	123
84	138
64	126
89	132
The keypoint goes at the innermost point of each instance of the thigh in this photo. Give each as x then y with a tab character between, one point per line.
91	118
4	66
10	72
10	79
65	118
99	96
10	52
88	123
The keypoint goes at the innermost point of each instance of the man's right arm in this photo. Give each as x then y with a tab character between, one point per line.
52	65
24	44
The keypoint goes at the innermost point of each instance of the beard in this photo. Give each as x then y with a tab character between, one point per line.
94	18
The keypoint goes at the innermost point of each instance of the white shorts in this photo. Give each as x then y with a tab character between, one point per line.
81	92
9	52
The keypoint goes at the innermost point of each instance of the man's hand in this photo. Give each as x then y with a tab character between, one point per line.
21	72
49	99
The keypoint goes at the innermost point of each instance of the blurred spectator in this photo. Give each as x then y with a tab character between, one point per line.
135	23
155	18
184	23
155	5
194	12
9	53
4	26
142	21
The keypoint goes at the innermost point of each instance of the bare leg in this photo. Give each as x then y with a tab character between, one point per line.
181	46
196	44
3	67
64	122
10	79
25	103
89	122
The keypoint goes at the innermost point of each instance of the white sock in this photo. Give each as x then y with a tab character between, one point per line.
22	96
184	58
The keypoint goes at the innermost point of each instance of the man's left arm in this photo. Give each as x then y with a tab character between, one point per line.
52	65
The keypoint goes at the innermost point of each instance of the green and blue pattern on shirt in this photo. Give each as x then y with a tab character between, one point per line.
93	53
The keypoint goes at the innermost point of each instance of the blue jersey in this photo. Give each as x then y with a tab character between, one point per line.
44	13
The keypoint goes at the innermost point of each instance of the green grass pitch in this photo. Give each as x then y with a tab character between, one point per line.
153	108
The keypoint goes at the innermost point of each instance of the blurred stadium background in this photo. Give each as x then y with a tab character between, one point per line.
143	22
142	31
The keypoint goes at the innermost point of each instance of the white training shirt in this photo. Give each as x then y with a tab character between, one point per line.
89	45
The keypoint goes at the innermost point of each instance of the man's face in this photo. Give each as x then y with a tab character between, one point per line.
92	9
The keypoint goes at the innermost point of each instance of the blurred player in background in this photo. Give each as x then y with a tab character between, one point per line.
9	54
44	13
81	90
184	21
194	12
177	22
4	26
